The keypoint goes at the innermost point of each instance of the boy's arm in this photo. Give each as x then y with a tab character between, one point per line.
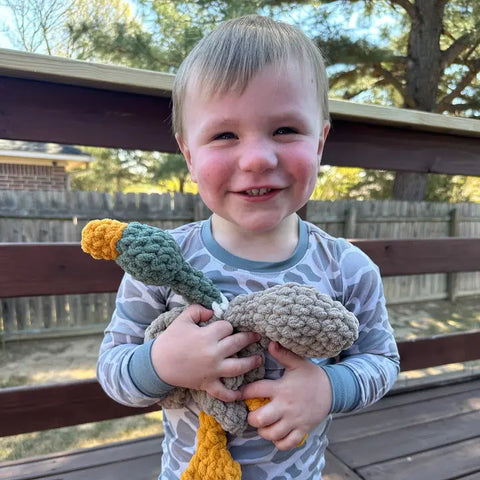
360	380
185	354
124	368
369	368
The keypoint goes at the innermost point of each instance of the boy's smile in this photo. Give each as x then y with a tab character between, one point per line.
255	154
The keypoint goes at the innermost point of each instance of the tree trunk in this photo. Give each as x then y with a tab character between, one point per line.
423	68
422	74
181	184
410	186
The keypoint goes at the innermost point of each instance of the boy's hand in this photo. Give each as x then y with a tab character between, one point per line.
299	400
190	356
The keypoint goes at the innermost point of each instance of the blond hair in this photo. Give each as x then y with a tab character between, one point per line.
232	54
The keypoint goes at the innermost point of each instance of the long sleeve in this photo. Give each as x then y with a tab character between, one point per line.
369	368
123	367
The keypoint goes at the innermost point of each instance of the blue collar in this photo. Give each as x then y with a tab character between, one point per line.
251	265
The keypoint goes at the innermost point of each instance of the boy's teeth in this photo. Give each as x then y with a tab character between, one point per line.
258	191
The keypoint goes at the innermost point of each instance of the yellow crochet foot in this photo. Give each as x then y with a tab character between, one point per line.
212	460
100	237
254	403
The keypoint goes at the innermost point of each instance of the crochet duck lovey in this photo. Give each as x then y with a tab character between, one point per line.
297	316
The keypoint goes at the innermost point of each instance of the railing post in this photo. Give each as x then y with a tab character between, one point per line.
8	314
452	278
350	223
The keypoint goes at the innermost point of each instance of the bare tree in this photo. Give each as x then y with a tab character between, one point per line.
38	25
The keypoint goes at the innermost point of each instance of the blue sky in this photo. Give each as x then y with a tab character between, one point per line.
5	16
336	16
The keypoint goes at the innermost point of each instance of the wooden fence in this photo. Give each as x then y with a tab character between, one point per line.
38	217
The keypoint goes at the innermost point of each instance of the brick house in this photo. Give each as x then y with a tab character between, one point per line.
38	166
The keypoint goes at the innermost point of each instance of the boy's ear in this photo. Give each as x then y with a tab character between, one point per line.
321	141
186	154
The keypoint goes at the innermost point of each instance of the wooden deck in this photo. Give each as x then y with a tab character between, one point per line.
429	434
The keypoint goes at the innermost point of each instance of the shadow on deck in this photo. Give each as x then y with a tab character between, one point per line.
432	433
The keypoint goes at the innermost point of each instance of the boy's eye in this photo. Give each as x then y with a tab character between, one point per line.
284	131
224	136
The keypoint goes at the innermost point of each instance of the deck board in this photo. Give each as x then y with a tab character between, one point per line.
443	463
412	413
335	469
142	468
408	440
432	433
96	461
474	476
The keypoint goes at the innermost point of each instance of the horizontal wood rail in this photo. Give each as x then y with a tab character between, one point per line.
35	408
54	269
130	108
63	268
31	409
108	119
417	256
439	350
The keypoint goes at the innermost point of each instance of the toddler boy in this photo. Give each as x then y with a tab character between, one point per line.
251	119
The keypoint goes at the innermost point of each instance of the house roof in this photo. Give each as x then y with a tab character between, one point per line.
39	153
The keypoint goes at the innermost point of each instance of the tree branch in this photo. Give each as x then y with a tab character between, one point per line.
462	107
459	45
396	83
407	6
465	81
348	95
349	77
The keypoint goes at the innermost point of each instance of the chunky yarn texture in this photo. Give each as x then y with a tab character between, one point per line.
150	255
297	316
100	237
212	460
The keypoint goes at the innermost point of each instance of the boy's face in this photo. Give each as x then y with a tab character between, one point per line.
255	156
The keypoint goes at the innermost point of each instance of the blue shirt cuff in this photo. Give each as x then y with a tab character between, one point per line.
144	376
346	390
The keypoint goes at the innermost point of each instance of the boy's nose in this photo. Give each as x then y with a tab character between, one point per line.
258	157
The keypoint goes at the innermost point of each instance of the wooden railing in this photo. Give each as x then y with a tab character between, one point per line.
58	100
49	269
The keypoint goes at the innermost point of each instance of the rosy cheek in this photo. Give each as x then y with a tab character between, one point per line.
304	161
213	169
